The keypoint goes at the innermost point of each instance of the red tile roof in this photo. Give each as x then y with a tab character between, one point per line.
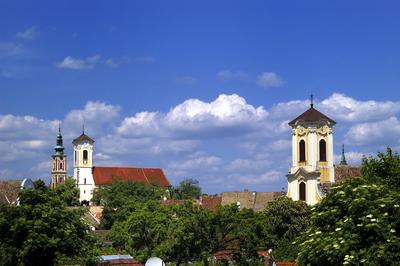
105	175
210	202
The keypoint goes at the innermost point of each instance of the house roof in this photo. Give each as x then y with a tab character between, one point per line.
311	115
344	172
250	199
210	202
83	137
9	190
104	175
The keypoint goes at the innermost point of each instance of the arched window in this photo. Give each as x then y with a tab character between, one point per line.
302	149
322	150
84	181
61	165
85	156
302	191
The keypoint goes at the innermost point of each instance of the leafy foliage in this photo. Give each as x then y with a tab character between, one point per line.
358	222
68	192
187	189
117	195
383	169
42	231
285	220
187	233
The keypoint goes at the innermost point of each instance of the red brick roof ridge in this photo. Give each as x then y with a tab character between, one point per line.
145	175
103	175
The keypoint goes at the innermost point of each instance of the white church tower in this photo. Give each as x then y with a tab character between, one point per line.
83	163
312	156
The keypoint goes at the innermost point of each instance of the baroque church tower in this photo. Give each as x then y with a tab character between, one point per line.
59	163
312	156
83	163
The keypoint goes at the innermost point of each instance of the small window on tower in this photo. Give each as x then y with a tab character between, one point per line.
84	181
85	156
302	149
61	166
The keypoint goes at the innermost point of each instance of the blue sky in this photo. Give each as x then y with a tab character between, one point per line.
202	89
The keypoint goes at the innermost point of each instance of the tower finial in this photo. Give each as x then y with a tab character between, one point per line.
312	101
83	128
343	160
59	128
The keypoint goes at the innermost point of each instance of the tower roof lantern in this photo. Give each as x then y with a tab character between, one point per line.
59	148
83	137
311	115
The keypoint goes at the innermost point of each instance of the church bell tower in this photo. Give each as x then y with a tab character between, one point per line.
83	163
59	163
312	156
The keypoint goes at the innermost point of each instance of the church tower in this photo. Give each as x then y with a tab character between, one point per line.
59	163
312	156
83	163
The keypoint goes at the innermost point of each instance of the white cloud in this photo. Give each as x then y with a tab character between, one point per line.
227	115
232	75
264	178
281	145
347	109
202	162
384	133
94	115
29	34
245	165
227	111
79	64
269	79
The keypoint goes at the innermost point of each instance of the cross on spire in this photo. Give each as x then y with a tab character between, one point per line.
312	101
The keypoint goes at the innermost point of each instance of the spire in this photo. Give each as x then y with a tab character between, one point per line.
343	160
312	101
59	148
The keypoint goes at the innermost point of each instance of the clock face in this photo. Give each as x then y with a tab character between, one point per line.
85	145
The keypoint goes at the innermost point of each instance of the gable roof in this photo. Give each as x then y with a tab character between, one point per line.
311	115
9	191
83	137
345	172
104	175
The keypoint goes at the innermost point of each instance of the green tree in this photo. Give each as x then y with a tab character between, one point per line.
115	196
285	219
383	168
357	223
187	189
241	231
42	231
142	230
68	192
